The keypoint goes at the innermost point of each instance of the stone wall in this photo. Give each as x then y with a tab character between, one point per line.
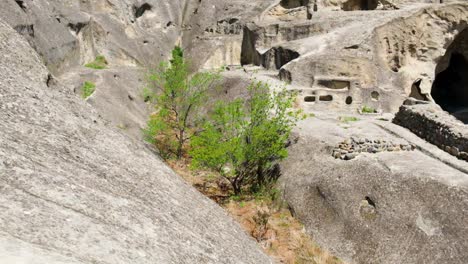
438	127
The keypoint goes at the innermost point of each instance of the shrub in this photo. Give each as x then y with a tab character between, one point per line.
87	89
260	219
243	140
347	119
99	63
178	96
368	110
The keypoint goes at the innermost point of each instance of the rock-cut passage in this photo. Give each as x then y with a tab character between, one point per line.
450	88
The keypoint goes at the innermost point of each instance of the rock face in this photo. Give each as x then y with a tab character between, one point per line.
213	30
366	205
71	33
386	207
67	170
347	59
132	35
76	191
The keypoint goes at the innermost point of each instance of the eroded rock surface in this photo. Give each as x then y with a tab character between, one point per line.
364	206
59	155
385	207
362	58
71	33
73	190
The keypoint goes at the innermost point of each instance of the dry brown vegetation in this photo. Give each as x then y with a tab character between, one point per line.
264	217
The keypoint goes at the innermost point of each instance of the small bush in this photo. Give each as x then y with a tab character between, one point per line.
87	89
347	119
178	96
243	140
260	219
368	110
99	63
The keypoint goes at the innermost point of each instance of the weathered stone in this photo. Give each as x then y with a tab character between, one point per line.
350	156
74	190
367	210
445	131
455	151
336	154
366	145
360	234
464	156
346	60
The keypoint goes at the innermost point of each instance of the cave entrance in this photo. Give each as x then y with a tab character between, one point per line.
289	4
140	11
353	5
450	87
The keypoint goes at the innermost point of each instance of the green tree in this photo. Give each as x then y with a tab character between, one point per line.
242	140
178	96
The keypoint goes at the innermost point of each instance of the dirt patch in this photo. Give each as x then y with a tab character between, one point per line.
265	217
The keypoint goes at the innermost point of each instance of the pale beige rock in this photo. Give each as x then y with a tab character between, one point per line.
384	207
73	190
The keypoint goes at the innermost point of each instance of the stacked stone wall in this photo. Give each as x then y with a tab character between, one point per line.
438	127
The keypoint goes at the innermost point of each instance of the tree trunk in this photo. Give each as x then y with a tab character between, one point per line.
236	188
260	175
180	145
236	184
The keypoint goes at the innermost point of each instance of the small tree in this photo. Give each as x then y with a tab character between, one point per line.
243	140
178	96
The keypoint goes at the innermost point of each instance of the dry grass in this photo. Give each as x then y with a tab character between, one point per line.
268	221
284	238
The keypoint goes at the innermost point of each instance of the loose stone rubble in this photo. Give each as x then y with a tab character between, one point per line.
352	147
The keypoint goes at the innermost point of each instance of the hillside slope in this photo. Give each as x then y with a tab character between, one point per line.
75	191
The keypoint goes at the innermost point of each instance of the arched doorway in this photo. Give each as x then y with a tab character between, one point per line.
450	87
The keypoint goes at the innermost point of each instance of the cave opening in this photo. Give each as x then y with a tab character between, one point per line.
284	56
450	87
140	11
289	4
353	5
309	99
21	4
326	98
416	90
